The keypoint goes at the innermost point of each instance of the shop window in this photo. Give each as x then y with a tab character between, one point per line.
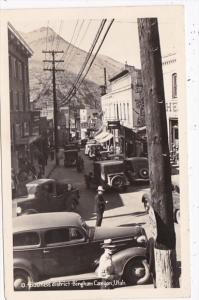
174	85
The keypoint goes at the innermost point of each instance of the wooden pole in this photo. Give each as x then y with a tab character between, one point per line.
158	153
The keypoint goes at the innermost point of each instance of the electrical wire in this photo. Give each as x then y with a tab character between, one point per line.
76	87
102	24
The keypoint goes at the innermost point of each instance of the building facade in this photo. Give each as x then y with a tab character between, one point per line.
20	114
170	75
123	98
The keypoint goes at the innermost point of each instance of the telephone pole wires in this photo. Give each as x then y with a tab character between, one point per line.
158	154
55	111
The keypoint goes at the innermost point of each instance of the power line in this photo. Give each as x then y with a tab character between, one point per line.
90	65
74	45
69	45
102	24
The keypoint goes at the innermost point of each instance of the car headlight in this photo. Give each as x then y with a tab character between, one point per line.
18	210
141	239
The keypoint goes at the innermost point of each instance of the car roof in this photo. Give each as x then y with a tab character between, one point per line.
109	162
136	158
40	181
45	220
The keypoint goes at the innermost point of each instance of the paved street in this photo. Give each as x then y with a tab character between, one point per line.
125	209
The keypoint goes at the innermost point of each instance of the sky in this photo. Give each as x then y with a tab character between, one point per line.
121	43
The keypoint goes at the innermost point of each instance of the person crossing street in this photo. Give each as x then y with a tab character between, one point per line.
100	205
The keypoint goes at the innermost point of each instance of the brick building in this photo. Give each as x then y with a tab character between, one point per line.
20	115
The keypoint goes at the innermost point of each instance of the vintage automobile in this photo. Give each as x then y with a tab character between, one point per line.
109	174
70	157
146	199
88	145
61	244
93	149
137	169
46	195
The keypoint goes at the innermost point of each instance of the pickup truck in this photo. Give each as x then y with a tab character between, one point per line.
46	195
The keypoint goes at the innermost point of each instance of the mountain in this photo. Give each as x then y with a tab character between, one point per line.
89	92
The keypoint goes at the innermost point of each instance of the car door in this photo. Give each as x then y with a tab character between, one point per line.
28	251
61	253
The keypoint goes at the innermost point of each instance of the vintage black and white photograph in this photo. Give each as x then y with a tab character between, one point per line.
96	114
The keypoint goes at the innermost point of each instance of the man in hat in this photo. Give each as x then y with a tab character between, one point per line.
100	205
106	270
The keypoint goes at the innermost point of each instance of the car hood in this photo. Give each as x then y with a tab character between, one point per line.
23	199
117	233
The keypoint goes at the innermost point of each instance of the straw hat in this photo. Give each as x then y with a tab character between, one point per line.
100	188
108	244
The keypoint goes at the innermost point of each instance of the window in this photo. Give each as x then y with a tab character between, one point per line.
26	129
174	85
124	105
19	70
128	111
58	235
10	66
16	68
11	100
17	100
26	239
120	111
75	234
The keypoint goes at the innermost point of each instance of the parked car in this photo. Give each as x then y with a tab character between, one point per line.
46	195
146	199
61	244
88	145
70	157
137	169
109	174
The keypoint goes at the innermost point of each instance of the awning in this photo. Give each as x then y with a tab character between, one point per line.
106	138
100	136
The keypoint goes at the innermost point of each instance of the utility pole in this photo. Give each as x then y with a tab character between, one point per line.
158	154
54	70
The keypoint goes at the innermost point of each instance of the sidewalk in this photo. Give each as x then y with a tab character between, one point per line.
50	167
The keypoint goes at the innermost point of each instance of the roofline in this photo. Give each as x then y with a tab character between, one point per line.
122	73
20	38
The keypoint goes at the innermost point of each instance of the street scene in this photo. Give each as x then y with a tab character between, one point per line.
94	155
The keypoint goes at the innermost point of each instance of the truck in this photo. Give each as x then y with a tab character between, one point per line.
46	195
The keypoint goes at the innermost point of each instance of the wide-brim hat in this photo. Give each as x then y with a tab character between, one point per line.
100	188
108	244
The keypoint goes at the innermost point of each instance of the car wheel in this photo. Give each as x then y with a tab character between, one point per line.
22	280
74	203
144	173
117	182
177	216
136	271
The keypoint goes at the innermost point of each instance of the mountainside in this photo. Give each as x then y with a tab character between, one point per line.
40	84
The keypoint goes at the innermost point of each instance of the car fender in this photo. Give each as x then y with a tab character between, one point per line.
24	264
121	258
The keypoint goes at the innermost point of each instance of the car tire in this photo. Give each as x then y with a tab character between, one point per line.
136	271
144	173
177	216
22	280
74	204
117	182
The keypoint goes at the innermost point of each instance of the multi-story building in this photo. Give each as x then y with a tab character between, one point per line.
123	98
170	73
90	121
19	53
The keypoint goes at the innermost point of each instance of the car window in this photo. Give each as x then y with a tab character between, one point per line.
76	234
48	187
57	235
26	239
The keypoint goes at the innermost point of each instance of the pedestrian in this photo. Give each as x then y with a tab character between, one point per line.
13	183
106	269
100	205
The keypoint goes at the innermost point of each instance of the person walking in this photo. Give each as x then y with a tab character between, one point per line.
100	205
106	269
